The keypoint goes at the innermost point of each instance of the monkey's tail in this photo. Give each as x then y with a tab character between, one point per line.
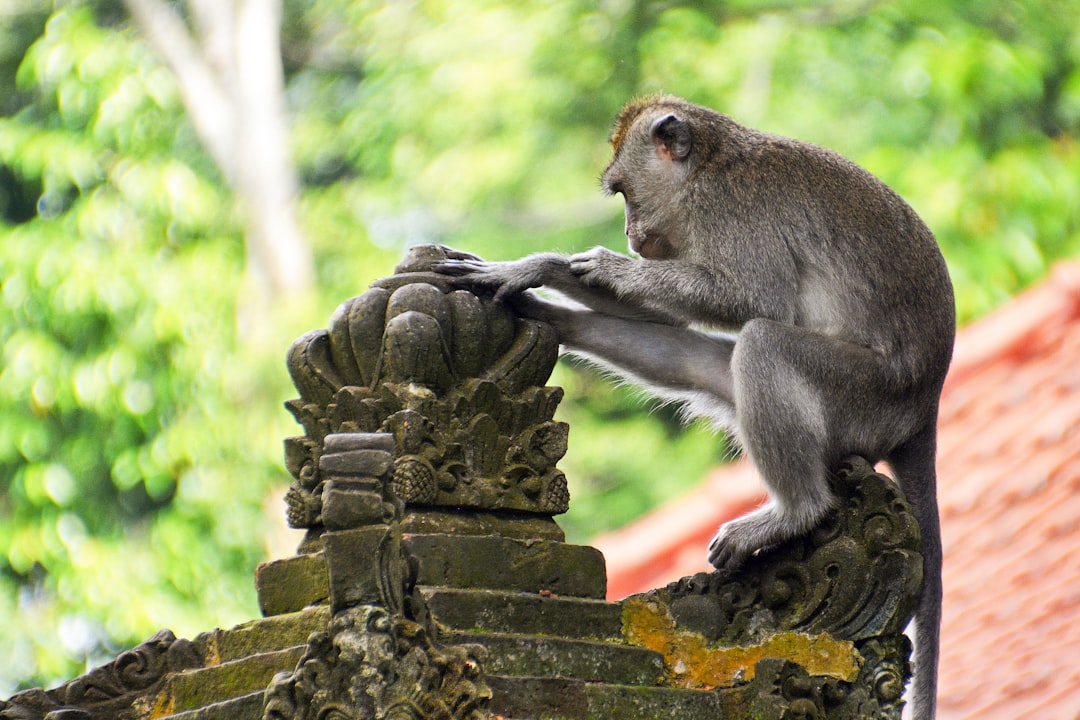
914	465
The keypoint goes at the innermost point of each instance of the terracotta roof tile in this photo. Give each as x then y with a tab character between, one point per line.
1009	490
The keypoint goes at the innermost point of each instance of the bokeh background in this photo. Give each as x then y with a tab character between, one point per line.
185	187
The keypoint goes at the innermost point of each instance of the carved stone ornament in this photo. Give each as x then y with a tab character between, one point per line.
374	661
110	692
457	380
370	664
855	576
854	579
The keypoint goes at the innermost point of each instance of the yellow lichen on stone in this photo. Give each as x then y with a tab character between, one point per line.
694	662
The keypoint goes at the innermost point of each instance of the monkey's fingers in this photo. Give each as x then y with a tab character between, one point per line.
458	267
477	277
452	254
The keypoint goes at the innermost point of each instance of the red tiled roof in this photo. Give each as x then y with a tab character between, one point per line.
1009	492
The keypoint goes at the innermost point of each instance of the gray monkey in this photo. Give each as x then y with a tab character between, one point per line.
783	293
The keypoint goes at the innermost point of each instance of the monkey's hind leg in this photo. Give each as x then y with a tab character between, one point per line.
792	389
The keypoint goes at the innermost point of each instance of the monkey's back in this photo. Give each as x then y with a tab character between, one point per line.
867	267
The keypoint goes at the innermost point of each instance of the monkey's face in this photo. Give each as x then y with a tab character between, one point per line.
650	231
650	180
646	243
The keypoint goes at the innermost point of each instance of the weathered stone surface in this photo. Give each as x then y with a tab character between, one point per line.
291	584
343	509
571	699
245	707
529	655
472	522
355	463
193	689
694	662
782	689
523	613
353	558
373	664
119	690
337	443
463	561
269	634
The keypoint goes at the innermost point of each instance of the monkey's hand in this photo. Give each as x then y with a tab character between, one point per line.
505	278
600	267
452	254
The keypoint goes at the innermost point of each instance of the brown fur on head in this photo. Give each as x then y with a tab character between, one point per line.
717	138
630	112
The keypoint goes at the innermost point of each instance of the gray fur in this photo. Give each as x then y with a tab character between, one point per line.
837	295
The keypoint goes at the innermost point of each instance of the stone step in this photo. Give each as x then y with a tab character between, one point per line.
533	698
447	521
293	583
193	689
278	632
523	613
245	707
344	573
536	656
499	563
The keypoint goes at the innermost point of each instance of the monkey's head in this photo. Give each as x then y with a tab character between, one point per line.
659	144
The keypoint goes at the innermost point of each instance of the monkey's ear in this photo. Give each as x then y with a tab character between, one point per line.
672	138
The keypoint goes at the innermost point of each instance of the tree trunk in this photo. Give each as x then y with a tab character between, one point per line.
231	81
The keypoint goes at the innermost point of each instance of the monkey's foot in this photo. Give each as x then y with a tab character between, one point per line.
527	305
726	555
739	539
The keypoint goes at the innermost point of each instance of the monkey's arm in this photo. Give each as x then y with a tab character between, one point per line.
675	363
549	270
726	293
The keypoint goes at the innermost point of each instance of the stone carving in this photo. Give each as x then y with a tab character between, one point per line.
419	401
782	689
456	379
115	691
855	578
374	661
371	665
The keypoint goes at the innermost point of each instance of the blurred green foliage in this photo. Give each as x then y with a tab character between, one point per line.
140	426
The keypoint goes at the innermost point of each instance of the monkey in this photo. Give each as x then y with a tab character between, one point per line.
780	291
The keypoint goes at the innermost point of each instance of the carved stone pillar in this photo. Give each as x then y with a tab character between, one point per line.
456	380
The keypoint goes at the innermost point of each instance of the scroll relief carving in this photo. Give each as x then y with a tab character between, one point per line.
855	578
455	378
119	690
